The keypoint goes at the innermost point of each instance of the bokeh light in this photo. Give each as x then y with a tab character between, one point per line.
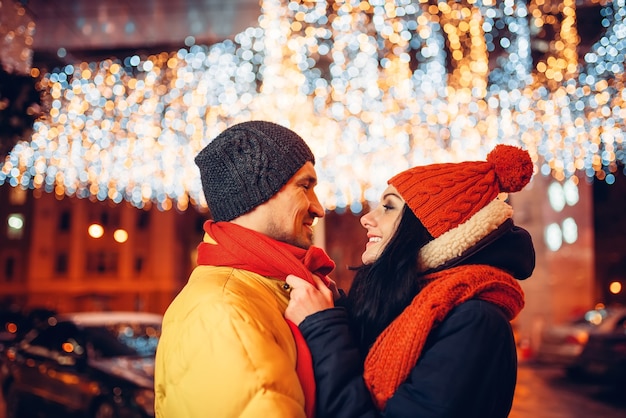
95	231
615	287
373	86
120	235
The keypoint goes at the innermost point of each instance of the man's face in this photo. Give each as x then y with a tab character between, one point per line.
290	213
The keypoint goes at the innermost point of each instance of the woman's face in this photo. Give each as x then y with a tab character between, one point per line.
381	224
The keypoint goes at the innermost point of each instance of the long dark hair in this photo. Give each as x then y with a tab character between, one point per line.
381	290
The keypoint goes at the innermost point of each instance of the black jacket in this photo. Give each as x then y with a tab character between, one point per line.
467	368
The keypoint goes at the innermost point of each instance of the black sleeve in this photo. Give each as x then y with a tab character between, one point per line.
338	366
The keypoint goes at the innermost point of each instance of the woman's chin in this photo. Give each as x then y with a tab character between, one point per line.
368	258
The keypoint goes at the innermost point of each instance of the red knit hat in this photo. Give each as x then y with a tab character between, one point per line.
443	196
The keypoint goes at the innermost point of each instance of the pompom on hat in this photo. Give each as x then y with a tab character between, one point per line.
247	164
444	196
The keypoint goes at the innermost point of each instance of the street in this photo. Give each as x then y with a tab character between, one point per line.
544	392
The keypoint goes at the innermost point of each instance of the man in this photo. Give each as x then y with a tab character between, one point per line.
226	349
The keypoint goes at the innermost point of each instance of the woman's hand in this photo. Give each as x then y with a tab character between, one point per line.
306	299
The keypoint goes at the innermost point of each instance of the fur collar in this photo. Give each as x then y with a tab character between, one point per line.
457	241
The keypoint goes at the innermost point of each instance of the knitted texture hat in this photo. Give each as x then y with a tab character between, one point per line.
247	164
443	196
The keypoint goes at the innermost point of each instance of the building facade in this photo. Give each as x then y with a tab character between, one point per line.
73	254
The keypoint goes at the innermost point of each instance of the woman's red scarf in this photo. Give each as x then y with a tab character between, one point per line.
397	349
245	249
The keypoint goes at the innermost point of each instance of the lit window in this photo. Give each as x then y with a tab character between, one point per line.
17	196
95	230
553	237
15	226
615	287
570	230
556	196
570	191
120	235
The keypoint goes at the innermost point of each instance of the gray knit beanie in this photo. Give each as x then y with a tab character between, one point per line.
247	164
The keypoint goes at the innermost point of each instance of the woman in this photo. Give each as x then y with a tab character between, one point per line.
425	329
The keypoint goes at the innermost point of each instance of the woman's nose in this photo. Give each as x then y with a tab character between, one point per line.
366	220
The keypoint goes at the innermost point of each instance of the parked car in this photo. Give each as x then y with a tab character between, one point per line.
90	364
561	344
16	322
12	321
14	325
604	355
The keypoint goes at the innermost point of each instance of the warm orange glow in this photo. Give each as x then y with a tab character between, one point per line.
615	287
120	235
11	327
95	231
408	82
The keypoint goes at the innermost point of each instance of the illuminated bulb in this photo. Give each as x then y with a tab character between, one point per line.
15	221
95	231
120	235
553	236
366	86
615	287
570	230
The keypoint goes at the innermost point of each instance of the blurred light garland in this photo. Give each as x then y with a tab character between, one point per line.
16	38
366	83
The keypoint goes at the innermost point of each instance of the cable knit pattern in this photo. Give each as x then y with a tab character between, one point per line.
398	348
247	164
444	196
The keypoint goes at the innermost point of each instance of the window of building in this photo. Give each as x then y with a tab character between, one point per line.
102	262
9	269
61	264
17	196
139	264
143	219
15	226
104	219
110	218
65	221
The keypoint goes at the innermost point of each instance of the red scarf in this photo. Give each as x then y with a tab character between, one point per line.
245	249
397	349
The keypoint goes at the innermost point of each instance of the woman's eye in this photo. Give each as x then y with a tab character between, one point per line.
387	207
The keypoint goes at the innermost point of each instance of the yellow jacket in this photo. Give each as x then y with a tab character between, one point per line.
226	350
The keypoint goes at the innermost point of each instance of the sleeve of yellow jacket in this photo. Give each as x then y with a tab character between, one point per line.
226	350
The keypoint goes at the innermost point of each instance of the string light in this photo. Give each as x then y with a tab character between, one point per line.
366	83
16	38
